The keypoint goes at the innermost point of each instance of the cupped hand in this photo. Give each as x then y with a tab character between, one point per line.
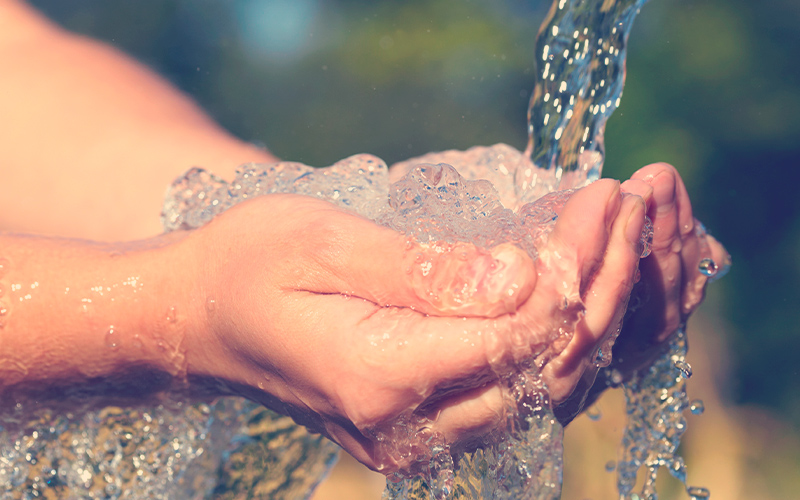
347	326
672	284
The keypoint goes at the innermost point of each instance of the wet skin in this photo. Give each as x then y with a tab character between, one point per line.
339	334
302	293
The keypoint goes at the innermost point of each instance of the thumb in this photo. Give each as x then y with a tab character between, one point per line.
391	269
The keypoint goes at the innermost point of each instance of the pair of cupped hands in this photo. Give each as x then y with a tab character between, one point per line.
345	325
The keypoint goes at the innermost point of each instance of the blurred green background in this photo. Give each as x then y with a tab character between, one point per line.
713	88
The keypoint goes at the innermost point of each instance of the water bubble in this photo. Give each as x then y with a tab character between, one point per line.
3	266
593	413
708	267
647	237
211	305
684	367
698	493
112	337
610	466
601	359
697	407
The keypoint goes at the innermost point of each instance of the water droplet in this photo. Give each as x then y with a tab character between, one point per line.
615	377
172	317
610	466
602	358
698	492
697	407
3	267
593	413
137	341
647	237
112	337
211	305
684	367
708	267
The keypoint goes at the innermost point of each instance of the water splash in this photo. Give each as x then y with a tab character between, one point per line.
580	52
163	451
655	399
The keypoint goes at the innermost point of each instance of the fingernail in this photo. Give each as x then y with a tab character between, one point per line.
612	205
633	229
664	196
636	186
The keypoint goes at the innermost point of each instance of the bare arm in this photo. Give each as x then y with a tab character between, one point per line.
91	139
78	314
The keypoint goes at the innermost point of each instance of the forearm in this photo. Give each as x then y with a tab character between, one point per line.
93	138
75	313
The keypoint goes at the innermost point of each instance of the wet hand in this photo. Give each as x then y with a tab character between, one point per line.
345	325
672	283
673	276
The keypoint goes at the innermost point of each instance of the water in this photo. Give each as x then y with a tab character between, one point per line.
708	267
655	400
160	451
580	53
232	447
697	407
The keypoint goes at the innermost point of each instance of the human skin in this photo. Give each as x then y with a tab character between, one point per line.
279	299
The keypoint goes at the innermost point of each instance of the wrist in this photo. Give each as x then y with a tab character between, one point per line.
102	319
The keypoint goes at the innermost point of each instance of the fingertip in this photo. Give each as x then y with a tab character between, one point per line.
685	212
639	188
584	208
636	209
470	415
649	172
515	279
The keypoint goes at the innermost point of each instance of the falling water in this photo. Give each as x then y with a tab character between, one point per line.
580	57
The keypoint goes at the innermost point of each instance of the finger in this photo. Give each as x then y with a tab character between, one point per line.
663	269
606	299
467	417
581	232
639	188
347	254
695	248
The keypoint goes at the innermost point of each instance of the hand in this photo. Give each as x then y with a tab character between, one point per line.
672	285
345	325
